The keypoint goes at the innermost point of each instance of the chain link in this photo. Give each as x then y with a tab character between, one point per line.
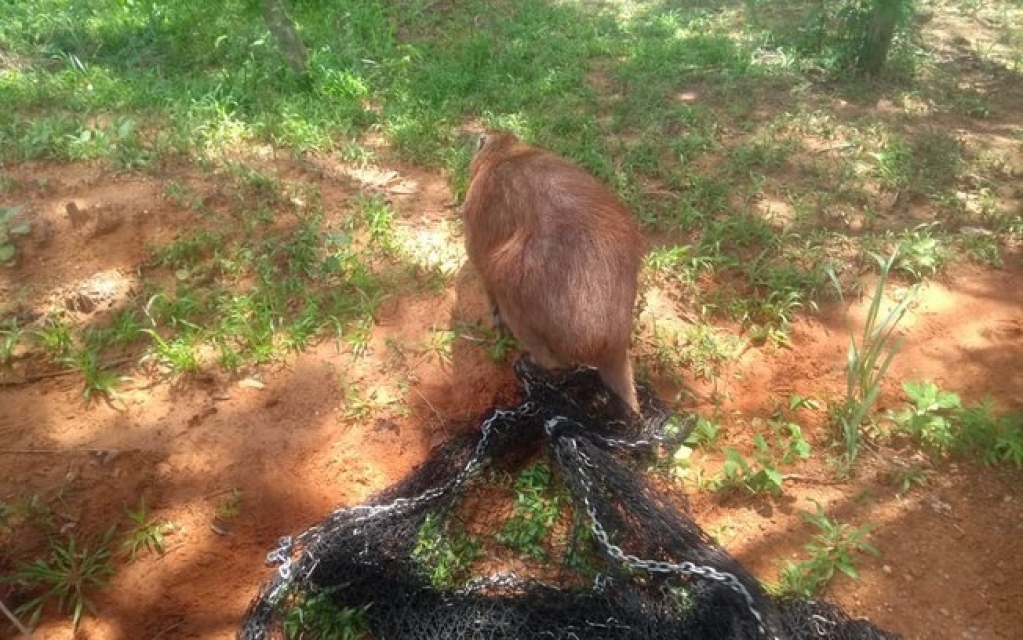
649	566
284	555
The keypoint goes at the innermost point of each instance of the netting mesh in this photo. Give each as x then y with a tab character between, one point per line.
659	575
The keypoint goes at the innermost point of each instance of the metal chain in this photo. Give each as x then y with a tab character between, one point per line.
284	554
633	562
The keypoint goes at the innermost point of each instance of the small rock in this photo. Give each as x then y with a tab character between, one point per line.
107	222
42	231
251	383
221	528
77	216
943	611
887	569
80	303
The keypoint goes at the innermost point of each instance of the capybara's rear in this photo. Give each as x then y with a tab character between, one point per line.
559	256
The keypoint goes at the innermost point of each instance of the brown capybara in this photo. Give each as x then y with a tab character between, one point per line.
559	256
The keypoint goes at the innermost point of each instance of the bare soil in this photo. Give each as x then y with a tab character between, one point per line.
951	563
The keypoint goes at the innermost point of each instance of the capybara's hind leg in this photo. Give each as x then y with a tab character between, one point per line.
618	378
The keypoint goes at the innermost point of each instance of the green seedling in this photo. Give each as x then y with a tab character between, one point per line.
833	549
66	577
146	534
537	507
10	229
867	361
445	552
317	615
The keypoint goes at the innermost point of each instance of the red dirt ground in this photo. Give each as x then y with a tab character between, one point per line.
951	563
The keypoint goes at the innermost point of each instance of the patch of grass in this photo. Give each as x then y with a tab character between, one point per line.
10	230
66	577
983	248
538	505
738	473
231	507
445	552
939	421
316	615
439	345
705	434
698	349
99	379
498	345
867	362
834	549
677	267
176	353
921	252
123	330
10	336
146	534
931	416
55	337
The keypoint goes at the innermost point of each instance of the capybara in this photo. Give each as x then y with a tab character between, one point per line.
559	256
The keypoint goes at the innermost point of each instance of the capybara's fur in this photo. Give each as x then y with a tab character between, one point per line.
559	256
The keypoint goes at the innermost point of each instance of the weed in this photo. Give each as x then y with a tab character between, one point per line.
938	420
10	335
704	434
920	252
146	533
379	220
67	576
983	248
11	228
909	476
698	348
439	345
55	337
868	360
998	438
761	476
176	353
796	447
99	380
359	335
834	548
316	615
357	405
230	508
445	551
678	265
124	329
931	417
497	344
537	507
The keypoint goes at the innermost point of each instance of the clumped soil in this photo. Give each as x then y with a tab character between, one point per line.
283	445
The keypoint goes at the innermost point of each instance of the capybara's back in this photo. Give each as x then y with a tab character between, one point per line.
559	256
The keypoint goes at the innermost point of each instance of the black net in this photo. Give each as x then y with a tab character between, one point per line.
657	574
